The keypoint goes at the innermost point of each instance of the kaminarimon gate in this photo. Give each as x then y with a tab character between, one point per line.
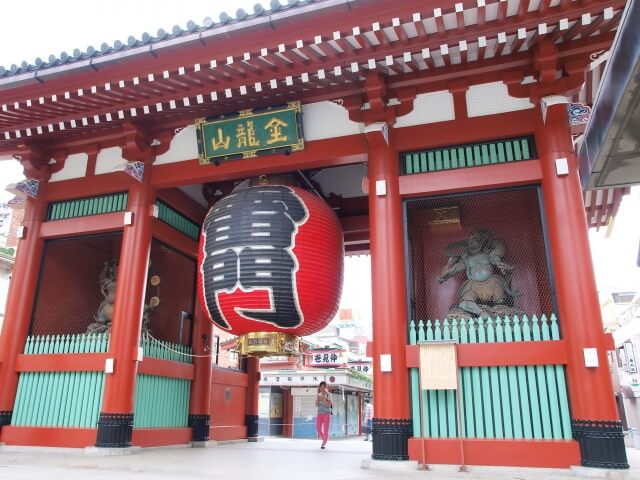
439	134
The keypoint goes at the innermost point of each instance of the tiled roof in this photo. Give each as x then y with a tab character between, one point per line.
146	38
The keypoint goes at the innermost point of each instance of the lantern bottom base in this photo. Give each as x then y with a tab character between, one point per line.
266	344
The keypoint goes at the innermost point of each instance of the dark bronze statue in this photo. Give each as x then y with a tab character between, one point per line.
486	290
104	316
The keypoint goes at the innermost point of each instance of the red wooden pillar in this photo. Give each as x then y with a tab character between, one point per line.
253	396
115	425
200	400
392	425
20	301
595	421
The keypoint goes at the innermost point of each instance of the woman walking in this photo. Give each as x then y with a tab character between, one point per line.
323	417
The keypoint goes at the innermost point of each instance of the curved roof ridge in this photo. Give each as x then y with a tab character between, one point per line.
147	39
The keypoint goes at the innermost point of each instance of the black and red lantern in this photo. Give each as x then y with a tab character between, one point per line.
270	260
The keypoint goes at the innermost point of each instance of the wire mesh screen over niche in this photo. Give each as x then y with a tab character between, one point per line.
477	255
77	286
72	289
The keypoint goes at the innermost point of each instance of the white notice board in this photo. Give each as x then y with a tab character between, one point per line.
438	366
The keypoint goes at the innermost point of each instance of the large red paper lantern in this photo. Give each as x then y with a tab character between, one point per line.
270	260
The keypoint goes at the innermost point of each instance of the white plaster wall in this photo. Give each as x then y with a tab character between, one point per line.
429	108
183	147
75	166
345	181
108	159
492	98
327	120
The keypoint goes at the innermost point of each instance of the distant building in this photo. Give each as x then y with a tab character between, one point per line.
6	266
621	315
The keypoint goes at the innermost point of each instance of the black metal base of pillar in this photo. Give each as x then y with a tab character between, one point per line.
114	430
601	443
199	427
251	421
5	417
390	438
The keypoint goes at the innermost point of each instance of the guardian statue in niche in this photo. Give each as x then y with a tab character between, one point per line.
486	290
107	283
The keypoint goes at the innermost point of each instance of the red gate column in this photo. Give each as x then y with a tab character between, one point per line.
200	400
392	424
253	397
20	300
595	421
115	425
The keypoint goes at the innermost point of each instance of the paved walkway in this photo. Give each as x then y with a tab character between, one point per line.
281	459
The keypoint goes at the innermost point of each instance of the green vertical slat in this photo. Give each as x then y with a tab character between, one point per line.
543	396
495	384
430	397
486	388
526	152
451	407
432	161
446	161
94	381
416	162
509	149
438	154
136	403
501	154
415	401
477	156
109	204
554	403
517	153
521	326
503	375
84	207
493	154
423	163
441	395
42	392
100	205
408	165
486	159
477	415
532	384
510	335
454	158
67	397
466	401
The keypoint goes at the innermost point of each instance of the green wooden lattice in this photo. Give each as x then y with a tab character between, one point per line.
176	220
82	207
161	402
511	402
74	399
60	399
472	155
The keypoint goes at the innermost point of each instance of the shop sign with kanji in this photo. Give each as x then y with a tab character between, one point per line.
327	358
250	133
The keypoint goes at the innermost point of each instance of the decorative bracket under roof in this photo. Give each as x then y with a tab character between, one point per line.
546	62
383	106
139	146
36	160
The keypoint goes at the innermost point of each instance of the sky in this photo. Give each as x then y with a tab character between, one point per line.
39	28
